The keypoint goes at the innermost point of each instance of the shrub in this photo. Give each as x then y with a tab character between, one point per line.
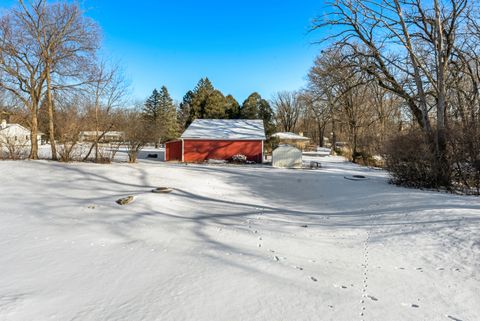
410	161
239	159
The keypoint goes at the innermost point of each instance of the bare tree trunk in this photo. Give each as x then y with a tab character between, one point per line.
51	121
443	170
334	134
33	137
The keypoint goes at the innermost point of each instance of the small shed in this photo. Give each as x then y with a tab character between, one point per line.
297	140
218	139
286	156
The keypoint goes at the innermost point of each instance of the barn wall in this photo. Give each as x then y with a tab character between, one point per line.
201	150
173	151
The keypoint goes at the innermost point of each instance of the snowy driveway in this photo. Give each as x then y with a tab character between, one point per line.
232	243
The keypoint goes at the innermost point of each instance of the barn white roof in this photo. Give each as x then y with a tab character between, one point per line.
225	129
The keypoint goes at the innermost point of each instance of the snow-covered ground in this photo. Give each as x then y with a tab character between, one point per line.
232	243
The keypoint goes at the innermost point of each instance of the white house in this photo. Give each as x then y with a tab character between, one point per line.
110	136
16	134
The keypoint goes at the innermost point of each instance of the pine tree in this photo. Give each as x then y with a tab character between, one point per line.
215	105
255	107
151	114
200	94
232	108
151	107
184	110
250	107
266	114
168	116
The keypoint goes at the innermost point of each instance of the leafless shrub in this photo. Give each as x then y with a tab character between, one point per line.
69	124
137	132
410	161
14	148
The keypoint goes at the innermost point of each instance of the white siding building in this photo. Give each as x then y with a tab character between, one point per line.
15	134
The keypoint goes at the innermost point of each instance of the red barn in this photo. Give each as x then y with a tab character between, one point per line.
218	139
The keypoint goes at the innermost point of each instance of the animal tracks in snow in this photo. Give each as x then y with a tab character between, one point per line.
452	318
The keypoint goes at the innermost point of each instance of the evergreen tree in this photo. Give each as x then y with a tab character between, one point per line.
200	94
151	107
215	105
168	116
250	107
184	110
255	107
265	113
232	108
151	114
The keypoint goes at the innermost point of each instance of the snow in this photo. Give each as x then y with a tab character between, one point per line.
232	243
289	135
225	129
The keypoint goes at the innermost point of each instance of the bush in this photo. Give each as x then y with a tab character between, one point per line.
239	159
465	146
410	161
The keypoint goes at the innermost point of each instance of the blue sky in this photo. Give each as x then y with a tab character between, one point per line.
242	46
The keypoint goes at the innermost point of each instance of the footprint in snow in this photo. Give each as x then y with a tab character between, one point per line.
339	286
411	305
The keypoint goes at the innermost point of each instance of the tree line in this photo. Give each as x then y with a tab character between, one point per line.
168	120
405	76
396	82
52	78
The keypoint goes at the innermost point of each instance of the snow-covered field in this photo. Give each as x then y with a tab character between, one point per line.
232	243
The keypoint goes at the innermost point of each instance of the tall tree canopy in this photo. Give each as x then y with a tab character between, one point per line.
255	107
168	116
160	115
232	107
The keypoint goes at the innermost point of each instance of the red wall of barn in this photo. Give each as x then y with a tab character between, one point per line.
173	151
201	150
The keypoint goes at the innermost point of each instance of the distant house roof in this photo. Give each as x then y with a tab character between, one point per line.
9	127
289	135
225	129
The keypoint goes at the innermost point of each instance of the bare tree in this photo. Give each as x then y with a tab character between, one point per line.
45	47
70	121
320	111
109	90
137	132
288	109
22	72
67	42
407	46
